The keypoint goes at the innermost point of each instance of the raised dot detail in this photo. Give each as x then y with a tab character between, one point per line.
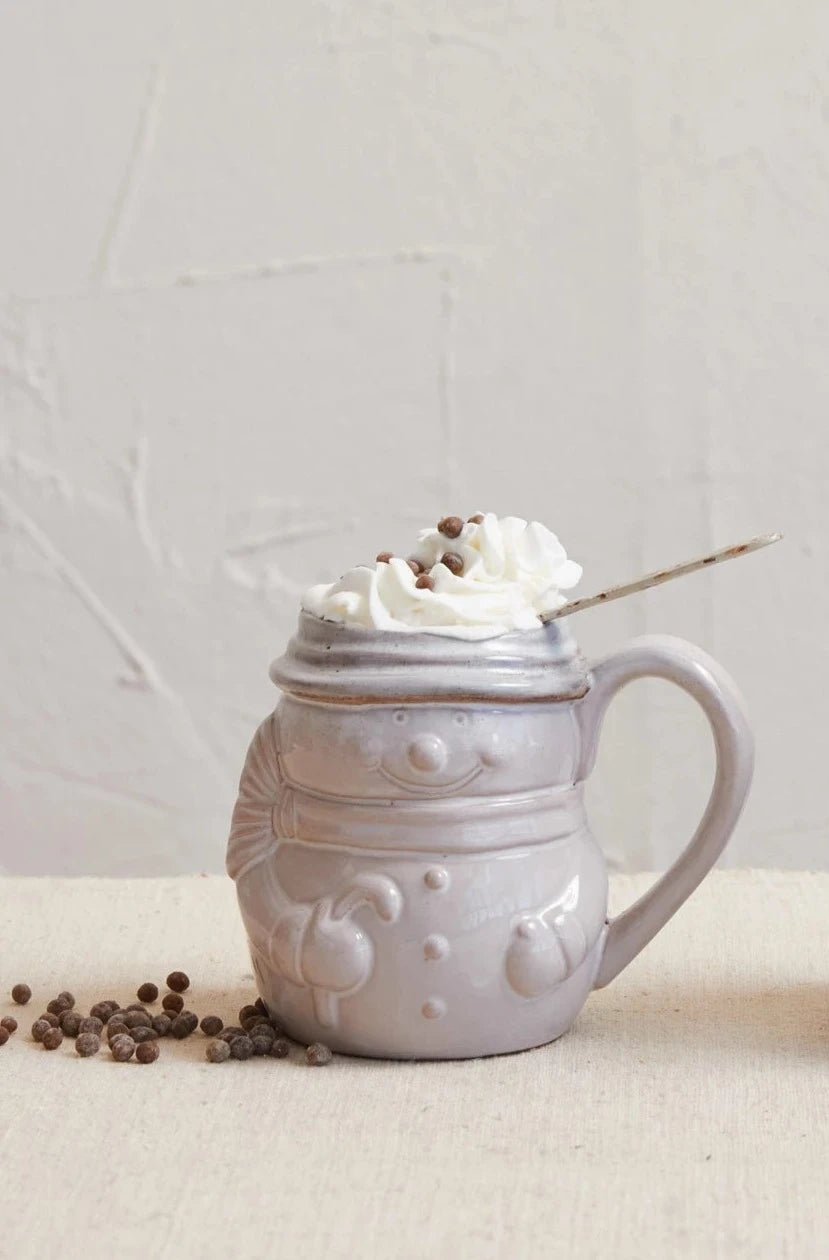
435	947
436	878
434	1008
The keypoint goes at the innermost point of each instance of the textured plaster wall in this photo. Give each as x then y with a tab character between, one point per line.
280	282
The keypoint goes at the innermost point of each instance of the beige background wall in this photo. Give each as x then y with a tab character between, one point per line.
279	283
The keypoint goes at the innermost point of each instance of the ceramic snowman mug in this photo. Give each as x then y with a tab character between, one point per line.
413	863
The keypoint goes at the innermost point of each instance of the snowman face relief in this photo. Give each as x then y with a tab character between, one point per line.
435	758
426	750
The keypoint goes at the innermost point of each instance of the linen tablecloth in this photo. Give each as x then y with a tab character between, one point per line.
685	1114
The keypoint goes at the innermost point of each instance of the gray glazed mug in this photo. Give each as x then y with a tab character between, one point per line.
413	863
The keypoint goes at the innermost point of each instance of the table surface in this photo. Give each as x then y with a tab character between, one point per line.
685	1114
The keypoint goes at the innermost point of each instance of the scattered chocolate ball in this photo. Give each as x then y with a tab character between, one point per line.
116	1028
261	1045
173	1002
147	1052
147	992
477	519
136	1006
58	1005
9	1023
217	1052
122	1049
253	1021
247	1012
138	1019
102	1011
453	562
51	1019
87	1044
241	1047
4	1035
184	1024
162	1025
68	998
91	1024
383	557
425	582
141	1034
230	1032
70	1023
416	567
280	1049
450	526
21	994
178	981
212	1025
52	1039
260	1030
39	1027
318	1054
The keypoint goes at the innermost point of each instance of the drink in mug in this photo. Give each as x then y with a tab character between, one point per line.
414	867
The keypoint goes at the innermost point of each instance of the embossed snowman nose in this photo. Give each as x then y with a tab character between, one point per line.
427	752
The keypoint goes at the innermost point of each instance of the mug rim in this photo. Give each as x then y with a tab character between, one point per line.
329	662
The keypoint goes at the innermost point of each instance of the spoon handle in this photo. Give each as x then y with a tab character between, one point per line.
663	575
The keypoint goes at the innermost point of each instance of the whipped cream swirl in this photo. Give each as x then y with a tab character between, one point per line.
513	572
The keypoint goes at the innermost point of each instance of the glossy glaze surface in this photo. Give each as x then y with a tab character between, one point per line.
416	876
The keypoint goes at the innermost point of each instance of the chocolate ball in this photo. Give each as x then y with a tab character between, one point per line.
453	562
450	526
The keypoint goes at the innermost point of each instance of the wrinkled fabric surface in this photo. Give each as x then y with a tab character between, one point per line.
686	1114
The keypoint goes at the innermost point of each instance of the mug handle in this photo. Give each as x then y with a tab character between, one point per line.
662	656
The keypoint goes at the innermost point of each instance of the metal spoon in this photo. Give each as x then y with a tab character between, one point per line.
663	575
